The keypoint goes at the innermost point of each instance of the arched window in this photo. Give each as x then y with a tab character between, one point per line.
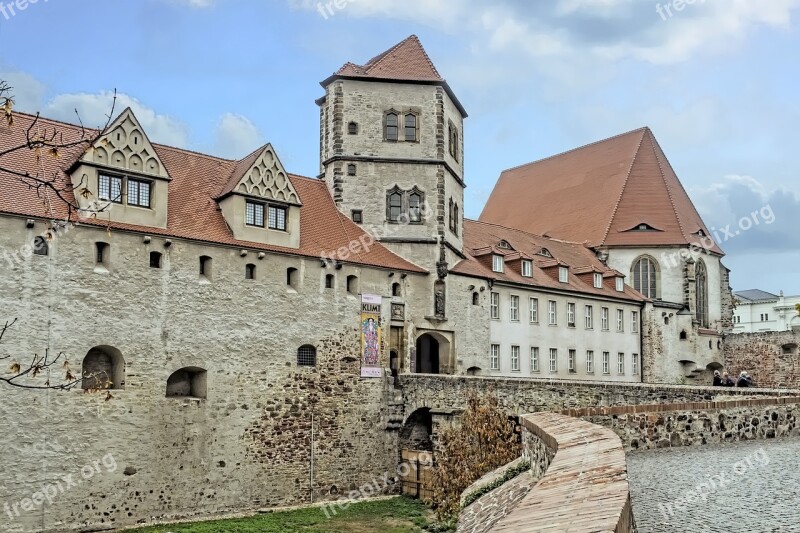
645	276
306	355
352	284
352	128
391	127
155	259
455	220
250	271
40	246
475	298
103	368
292	277
395	203
701	287
188	382
683	335
411	127
205	267
415	206
396	289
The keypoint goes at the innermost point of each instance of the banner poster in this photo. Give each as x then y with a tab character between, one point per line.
371	336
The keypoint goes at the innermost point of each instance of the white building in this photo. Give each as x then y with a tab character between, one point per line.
758	310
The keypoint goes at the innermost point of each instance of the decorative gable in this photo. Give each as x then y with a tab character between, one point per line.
265	178
126	147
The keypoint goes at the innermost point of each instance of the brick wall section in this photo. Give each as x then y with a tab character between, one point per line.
647	427
761	355
519	396
585	487
491	507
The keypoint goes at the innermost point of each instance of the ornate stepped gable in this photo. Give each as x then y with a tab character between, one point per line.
127	148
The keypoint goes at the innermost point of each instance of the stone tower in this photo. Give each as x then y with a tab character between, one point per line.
391	152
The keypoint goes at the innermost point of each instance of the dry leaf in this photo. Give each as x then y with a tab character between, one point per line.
15	368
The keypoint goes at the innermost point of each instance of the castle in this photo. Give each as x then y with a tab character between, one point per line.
249	322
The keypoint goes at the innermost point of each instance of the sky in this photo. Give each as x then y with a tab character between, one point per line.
716	80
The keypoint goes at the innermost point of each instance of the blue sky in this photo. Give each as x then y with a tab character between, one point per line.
717	81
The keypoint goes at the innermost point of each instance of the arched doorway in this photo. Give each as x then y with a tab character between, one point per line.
428	352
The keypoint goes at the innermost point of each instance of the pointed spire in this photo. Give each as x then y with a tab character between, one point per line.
407	60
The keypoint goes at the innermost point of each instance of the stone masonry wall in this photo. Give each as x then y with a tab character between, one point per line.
665	426
772	358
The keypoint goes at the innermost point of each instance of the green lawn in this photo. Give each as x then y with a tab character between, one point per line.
396	515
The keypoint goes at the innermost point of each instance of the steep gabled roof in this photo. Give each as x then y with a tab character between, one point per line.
193	213
600	194
407	61
482	236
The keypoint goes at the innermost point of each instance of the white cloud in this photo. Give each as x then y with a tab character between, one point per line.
94	108
28	91
236	136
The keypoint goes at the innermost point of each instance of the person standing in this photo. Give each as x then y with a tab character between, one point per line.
727	381
744	380
717	379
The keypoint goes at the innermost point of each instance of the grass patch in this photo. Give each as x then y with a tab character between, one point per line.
396	515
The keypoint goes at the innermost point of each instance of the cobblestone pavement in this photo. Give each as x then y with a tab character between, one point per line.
751	487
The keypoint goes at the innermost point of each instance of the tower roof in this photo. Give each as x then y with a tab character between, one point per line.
621	191
407	61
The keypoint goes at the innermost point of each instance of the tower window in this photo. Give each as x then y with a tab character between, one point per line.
40	246
155	259
250	271
391	127
358	216
351	169
101	253
328	281
292	277
205	267
411	127
405	207
453	141
352	128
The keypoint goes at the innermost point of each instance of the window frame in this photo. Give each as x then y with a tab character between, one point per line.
527	268
256	206
553	360
620	284
494	357
533	310
278	209
494	306
414	128
140	183
635	364
570	314
552	313
606	363
407	212
563	274
620	363
514	307
590	361
534	355
588	316
638	276
605	321
391	125
572	361
635	322
598	280
498	263
110	178
308	358
620	321
515	353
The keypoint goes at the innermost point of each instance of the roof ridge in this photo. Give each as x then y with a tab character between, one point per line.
554	239
624	184
575	149
666	186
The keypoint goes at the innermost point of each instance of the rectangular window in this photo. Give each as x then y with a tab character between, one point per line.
534	359
494	357
620	285
527	269
254	214
553	360
588	317
563	274
635	321
494	305
551	313
277	218
572	362
497	263
589	362
606	363
358	216
598	281
635	364
620	320
604	318
109	188
571	315
621	363
514	308
515	358
139	192
534	311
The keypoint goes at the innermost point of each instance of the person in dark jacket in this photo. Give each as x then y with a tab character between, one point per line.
727	381
744	380
717	379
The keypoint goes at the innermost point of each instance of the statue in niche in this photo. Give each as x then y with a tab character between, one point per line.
441	264
438	299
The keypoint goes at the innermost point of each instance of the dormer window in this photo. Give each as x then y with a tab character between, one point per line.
139	192
544	252
504	245
109	188
620	285
643	226
563	274
497	263
527	269
254	214
277	218
598	281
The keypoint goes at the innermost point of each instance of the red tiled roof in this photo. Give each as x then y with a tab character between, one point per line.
407	60
193	213
482	235
598	193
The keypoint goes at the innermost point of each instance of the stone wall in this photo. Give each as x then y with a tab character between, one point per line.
524	395
770	357
691	424
480	515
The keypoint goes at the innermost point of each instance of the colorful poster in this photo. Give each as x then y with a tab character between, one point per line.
371	336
